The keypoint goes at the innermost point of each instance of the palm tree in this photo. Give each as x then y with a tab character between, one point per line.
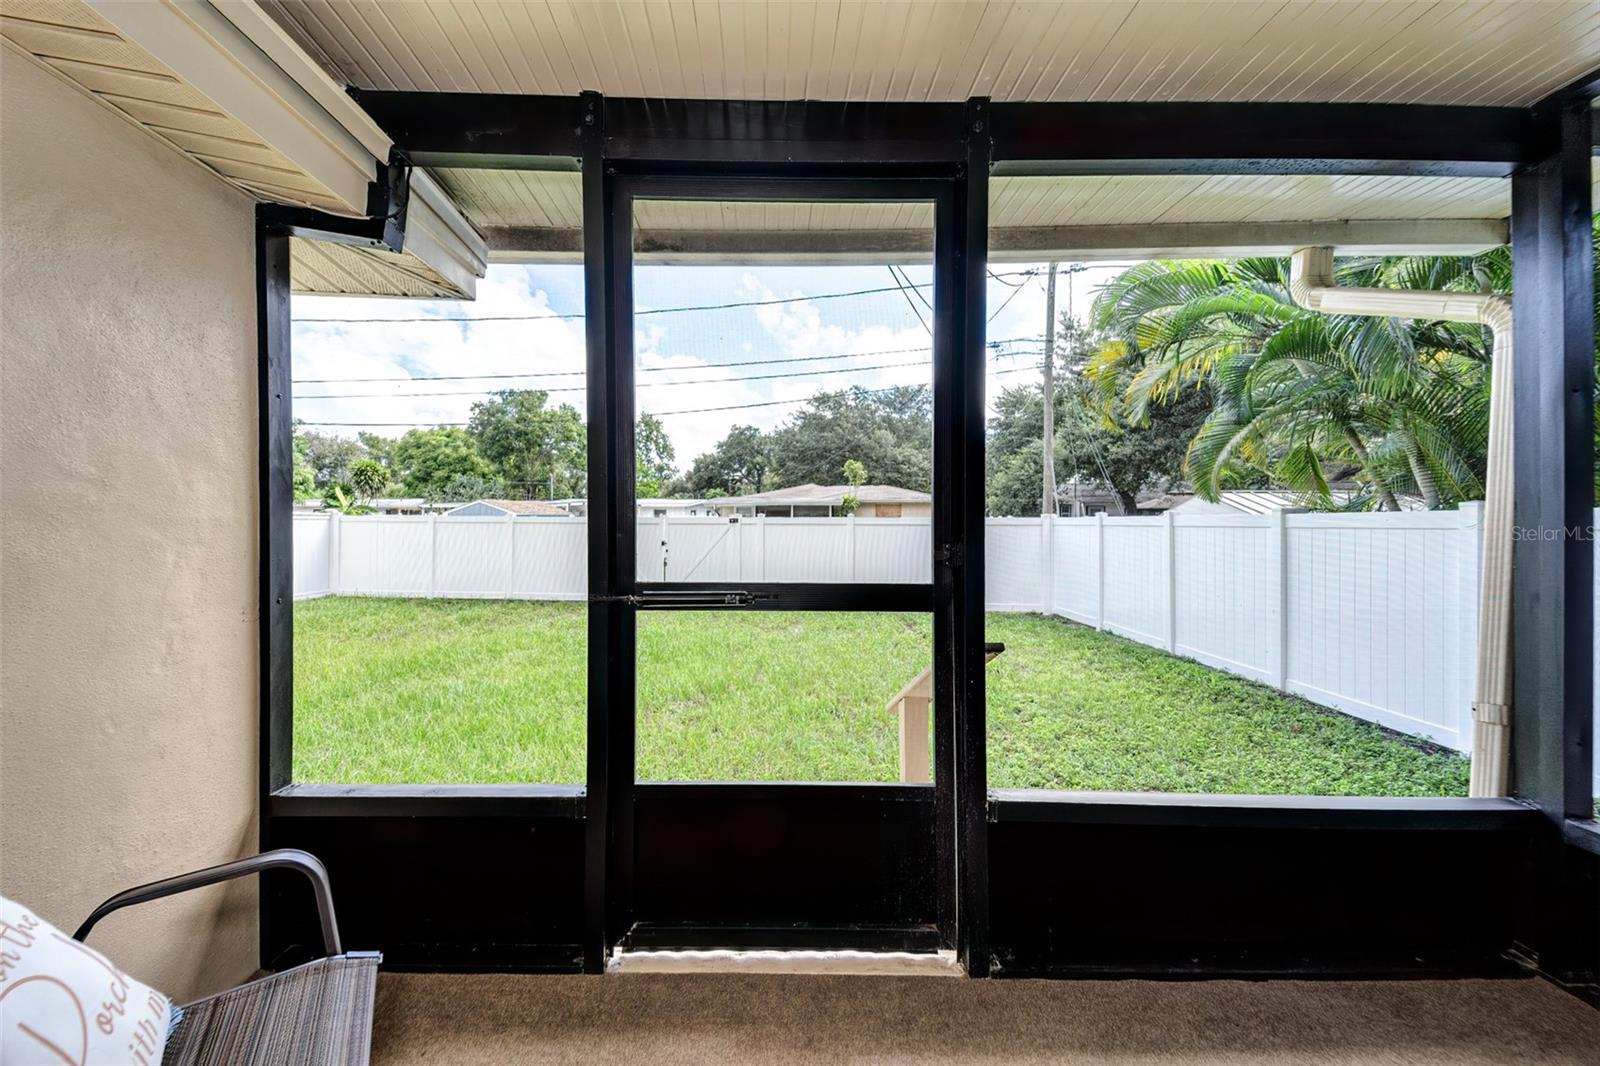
1300	397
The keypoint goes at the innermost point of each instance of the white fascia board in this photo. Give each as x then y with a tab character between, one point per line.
244	62
273	40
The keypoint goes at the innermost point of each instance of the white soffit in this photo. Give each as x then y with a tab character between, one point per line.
1491	52
202	83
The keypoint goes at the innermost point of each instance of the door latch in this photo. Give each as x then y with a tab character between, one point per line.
948	554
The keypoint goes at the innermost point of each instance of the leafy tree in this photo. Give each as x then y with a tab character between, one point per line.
533	446
428	460
378	447
368	477
305	479
855	475
889	431
329	457
1298	396
739	464
1301	398
342	498
464	488
654	456
1098	438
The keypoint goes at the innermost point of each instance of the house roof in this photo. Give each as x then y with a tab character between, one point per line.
824	495
535	507
1260	501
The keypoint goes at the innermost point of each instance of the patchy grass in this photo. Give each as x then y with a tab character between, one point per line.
494	691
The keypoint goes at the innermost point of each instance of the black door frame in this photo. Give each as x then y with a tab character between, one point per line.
890	917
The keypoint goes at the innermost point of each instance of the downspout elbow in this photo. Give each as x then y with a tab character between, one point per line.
1310	275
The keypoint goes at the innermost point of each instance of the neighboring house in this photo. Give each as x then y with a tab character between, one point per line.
413	505
1262	501
1084	499
1234	501
657	507
501	508
648	507
824	501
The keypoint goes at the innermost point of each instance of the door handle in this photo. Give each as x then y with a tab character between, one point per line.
688	597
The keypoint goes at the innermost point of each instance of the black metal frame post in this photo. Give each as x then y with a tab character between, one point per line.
276	502
966	554
1553	316
612	532
1553	592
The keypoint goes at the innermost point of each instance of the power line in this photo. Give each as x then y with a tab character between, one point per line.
645	369
658	414
646	385
1015	289
920	320
651	310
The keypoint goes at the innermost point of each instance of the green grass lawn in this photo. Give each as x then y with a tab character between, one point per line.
477	691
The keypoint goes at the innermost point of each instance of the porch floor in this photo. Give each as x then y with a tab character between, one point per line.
797	1020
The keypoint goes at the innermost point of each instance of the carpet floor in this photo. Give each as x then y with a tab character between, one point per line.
672	1019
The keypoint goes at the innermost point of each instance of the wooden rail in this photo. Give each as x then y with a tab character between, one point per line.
911	704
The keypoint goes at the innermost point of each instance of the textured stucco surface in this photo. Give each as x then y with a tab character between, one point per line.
128	663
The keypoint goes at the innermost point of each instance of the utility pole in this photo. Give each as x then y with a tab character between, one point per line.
1048	504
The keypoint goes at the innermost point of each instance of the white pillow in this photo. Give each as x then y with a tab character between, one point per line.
62	1002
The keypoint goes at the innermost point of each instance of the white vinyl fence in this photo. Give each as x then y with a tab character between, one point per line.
1373	614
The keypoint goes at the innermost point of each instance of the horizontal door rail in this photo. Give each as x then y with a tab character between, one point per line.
777	596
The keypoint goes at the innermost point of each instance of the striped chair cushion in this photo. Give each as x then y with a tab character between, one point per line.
318	1013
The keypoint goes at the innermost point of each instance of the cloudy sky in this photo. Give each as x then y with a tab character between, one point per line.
791	334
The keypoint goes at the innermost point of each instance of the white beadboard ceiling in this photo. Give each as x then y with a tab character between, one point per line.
533	216
1499	52
1484	53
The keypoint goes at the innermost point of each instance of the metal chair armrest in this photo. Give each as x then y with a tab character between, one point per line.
290	858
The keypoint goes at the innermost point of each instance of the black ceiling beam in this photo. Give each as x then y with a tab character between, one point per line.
1264	138
778	132
542	132
485	130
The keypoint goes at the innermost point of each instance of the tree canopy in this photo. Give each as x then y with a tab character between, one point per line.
890	432
535	447
1299	398
1099	438
430	462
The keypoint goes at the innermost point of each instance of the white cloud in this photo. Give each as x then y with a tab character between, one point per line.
877	333
406	351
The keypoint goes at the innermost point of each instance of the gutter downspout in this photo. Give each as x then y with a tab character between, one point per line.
1312	286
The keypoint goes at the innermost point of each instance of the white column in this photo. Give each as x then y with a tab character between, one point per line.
1047	564
333	553
1171	554
850	544
433	552
511	556
1278	567
1100	570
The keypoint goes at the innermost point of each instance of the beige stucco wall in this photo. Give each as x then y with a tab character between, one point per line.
128	664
